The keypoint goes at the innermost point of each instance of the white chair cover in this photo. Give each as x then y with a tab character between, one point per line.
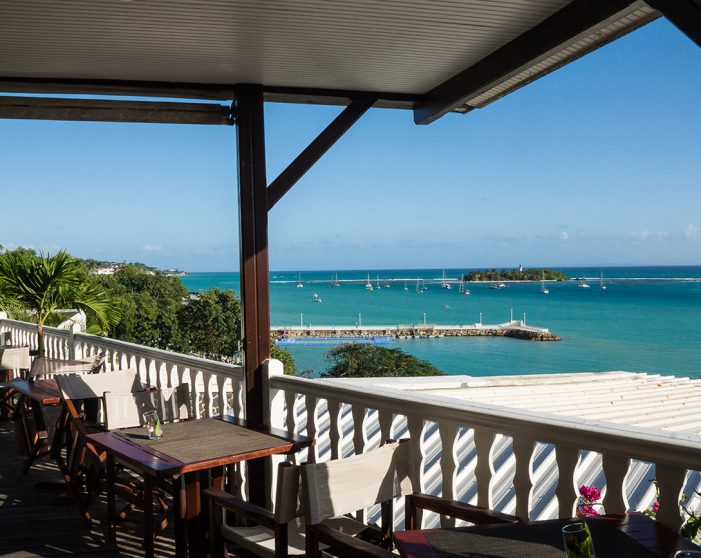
89	386
335	488
15	358
125	410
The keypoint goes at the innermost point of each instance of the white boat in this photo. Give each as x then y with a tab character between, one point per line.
583	285
299	281
462	289
601	284
501	285
419	288
444	283
368	285
377	285
543	288
335	282
405	287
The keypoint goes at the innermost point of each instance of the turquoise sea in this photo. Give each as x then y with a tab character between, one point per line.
647	319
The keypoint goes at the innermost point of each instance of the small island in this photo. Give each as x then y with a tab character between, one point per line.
515	275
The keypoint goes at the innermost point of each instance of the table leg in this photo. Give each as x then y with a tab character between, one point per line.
215	479
193	514
179	511
148	516
111	507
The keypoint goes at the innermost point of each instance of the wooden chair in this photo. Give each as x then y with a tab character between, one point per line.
276	534
82	465
336	488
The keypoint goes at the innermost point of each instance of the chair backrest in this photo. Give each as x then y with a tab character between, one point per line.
287	495
43	365
15	358
125	410
343	486
91	386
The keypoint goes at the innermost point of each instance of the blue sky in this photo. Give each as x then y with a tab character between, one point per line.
598	163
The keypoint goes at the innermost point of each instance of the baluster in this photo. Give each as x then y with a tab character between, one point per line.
358	412
237	405
670	480
483	471
208	399
335	434
385	419
310	402
415	426
290	422
566	457
523	453
221	382
615	469
448	432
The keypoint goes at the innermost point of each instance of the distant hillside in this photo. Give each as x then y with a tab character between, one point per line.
516	275
109	268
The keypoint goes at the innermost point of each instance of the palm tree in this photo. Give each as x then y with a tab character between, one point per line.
43	284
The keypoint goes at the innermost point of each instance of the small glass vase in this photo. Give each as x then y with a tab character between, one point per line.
577	540
153	425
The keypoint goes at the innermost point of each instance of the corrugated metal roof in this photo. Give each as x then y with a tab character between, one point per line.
636	399
399	46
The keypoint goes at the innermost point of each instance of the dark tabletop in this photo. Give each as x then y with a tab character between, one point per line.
194	445
45	392
614	536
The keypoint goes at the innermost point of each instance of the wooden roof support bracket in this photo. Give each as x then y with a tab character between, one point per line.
558	29
316	149
684	14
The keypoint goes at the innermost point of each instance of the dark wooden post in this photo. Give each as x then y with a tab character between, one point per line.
255	295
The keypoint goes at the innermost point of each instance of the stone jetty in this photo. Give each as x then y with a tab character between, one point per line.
516	329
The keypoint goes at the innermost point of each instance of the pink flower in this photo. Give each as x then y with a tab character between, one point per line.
655	507
590	493
586	511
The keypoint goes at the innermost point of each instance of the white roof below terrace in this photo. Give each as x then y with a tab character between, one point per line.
641	400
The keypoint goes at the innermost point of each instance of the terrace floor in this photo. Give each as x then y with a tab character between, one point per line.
33	524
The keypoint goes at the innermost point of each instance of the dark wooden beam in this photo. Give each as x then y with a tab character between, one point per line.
316	149
558	29
339	97
255	294
684	14
91	110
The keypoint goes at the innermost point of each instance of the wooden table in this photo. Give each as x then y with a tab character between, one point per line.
614	536
194	454
34	397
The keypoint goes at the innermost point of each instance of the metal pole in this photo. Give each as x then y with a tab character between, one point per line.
301	319
360	320
424	318
512	315
480	318
524	318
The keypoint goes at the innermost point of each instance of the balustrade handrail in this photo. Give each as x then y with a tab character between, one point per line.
661	447
188	361
28	326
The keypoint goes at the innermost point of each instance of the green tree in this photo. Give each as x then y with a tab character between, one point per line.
367	361
211	324
44	284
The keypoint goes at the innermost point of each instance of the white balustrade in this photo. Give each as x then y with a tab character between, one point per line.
511	454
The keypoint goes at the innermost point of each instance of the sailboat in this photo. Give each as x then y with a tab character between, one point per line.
368	285
378	283
463	290
405	287
335	282
601	284
444	283
543	289
299	281
418	286
582	284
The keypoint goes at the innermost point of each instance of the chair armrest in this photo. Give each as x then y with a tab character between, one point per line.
229	502
456	509
344	545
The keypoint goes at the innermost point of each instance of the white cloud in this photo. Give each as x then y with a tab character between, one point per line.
692	231
151	248
564	235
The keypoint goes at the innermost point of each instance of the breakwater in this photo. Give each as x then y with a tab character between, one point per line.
516	329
